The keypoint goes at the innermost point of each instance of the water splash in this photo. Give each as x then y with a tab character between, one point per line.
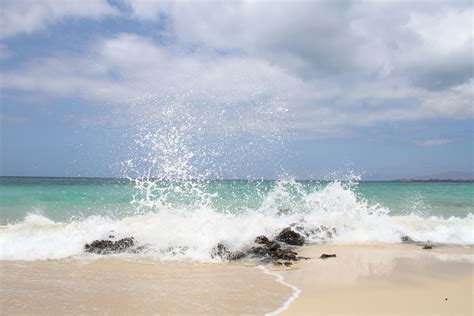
179	146
190	232
179	212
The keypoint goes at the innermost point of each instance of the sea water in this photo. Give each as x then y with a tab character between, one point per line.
168	201
53	218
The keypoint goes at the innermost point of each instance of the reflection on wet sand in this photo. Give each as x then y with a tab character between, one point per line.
384	279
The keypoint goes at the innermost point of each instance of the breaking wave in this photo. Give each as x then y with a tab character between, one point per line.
179	231
177	147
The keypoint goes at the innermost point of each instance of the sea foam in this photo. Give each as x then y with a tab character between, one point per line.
190	232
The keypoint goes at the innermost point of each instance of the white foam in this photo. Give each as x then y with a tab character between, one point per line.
174	232
294	295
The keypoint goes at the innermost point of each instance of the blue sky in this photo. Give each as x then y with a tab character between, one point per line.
256	89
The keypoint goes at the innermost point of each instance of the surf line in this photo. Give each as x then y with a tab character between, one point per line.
279	278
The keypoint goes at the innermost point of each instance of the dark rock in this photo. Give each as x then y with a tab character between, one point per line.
109	246
259	251
273	246
273	252
237	255
263	240
427	247
407	239
290	237
124	243
266	250
284	254
325	256
99	246
222	252
284	263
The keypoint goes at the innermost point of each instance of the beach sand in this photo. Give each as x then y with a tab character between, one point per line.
375	279
388	280
116	286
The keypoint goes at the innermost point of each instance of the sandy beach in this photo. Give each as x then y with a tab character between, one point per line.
389	280
380	279
310	157
117	286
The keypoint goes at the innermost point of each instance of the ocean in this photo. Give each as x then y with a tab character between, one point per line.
53	218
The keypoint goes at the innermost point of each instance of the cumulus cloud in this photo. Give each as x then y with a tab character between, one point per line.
147	10
335	64
428	42
128	66
28	16
443	57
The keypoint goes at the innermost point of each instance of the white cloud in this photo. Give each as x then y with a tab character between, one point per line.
456	102
445	31
435	142
28	16
336	64
317	39
128	68
146	9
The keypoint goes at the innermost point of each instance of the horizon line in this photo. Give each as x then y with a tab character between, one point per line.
243	179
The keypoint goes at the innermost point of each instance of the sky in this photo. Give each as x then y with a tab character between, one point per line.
267	89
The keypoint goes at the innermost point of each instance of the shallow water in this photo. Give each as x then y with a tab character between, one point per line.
52	218
64	198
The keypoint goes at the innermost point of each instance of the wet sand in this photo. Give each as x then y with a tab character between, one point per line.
383	280
114	286
375	279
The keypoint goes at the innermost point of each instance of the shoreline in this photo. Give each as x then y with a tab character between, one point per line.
362	279
379	279
280	279
118	286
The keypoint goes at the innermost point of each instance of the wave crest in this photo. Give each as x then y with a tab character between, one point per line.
174	231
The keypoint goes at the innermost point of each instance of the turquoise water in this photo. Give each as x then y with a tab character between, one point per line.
61	199
53	218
